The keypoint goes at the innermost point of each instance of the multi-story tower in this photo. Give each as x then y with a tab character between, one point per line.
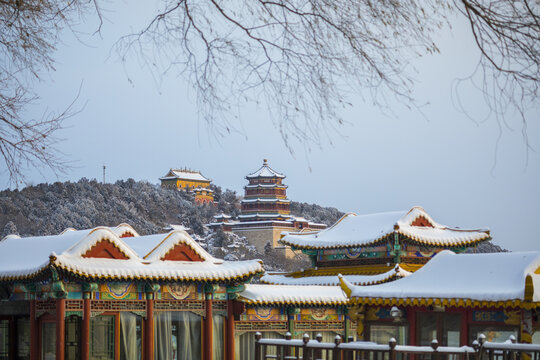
266	212
265	196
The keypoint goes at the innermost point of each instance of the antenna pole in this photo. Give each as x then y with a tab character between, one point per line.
104	167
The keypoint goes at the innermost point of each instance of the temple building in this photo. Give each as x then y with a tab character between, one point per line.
111	294
190	181
403	275
265	211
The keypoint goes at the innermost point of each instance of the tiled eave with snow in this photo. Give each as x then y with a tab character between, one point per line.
265	171
177	271
142	258
465	280
265	200
333	280
256	294
364	230
174	174
265	186
263	215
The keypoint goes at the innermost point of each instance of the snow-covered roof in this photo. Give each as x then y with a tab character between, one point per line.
185	175
265	186
286	279
265	171
222	216
494	279
290	294
203	189
142	257
360	230
265	200
263	215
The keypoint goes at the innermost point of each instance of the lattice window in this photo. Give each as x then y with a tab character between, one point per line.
260	325
4	339
118	305
45	305
319	325
102	338
182	305
74	305
219	305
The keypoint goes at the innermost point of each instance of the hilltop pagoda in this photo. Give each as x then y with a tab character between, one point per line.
265	196
265	211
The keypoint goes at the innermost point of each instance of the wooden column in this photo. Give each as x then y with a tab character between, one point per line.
34	331
60	328
85	331
464	331
12	337
229	333
149	328
208	329
411	317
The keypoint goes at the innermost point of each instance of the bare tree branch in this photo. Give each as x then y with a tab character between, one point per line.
302	57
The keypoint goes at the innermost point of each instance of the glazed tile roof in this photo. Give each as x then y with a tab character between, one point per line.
185	175
333	280
290	294
143	257
265	171
494	279
361	230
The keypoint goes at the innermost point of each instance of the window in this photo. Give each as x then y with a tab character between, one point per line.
492	333
177	335
48	341
4	339
381	334
102	331
23	338
445	327
130	336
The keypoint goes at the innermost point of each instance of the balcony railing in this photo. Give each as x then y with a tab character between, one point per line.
315	349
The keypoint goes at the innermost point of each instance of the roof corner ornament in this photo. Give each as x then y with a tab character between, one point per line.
396	251
58	290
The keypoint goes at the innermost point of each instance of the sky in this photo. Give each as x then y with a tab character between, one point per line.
464	173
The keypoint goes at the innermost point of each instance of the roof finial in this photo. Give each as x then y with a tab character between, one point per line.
265	162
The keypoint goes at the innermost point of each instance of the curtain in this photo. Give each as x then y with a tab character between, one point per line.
188	336
245	344
218	337
129	339
244	348
163	336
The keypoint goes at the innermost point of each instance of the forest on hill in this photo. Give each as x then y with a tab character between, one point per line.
46	209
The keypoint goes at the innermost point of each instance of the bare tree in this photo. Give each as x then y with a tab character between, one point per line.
303	56
29	33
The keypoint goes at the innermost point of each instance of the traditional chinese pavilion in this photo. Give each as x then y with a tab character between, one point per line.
107	293
265	210
399	280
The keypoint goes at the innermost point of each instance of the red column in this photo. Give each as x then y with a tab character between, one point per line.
85	331
34	343
60	328
229	333
149	330
464	338
207	336
411	317
12	337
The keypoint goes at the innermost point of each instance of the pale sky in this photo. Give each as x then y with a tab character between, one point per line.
458	170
